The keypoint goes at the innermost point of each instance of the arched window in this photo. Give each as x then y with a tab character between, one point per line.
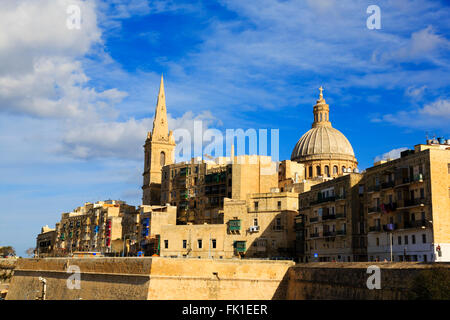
335	170
162	159
318	171
327	171
310	171
343	169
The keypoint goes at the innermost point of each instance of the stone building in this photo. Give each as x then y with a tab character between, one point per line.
323	150
151	220
198	188
96	227
45	242
407	201
330	225
159	151
260	226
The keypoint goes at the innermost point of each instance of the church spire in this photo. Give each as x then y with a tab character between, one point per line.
321	112
160	126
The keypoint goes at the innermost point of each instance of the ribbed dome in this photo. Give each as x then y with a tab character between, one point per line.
323	142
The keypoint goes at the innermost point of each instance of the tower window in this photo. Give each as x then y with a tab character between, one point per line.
162	159
318	171
310	171
335	170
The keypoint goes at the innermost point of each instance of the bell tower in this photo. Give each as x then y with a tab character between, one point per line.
159	150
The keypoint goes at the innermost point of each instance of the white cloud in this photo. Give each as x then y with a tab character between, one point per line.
435	115
414	92
393	154
41	74
102	139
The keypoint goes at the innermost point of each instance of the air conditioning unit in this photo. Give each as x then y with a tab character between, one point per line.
254	229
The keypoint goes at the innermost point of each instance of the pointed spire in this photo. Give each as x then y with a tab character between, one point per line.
160	126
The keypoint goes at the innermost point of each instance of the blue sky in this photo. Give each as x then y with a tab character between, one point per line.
75	105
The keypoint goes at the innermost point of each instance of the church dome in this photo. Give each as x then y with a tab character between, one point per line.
322	142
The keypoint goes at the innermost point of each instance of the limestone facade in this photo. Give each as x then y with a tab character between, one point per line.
407	201
260	226
96	227
45	242
330	225
198	188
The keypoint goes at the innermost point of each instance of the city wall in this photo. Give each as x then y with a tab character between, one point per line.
150	278
208	279
348	281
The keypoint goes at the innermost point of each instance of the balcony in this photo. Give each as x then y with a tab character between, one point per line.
375	229
408	180
329	233
314	235
234	225
329	217
409	203
387	185
389	207
417	224
323	200
341	232
314	219
373	210
341	216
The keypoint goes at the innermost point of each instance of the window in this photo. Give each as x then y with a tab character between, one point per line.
343	169
413	239
406	239
279	205
378	242
335	170
448	167
310	169
214	242
256	205
399	240
327	171
255	222
166	244
162	159
184	244
200	244
424	238
318	171
422	193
